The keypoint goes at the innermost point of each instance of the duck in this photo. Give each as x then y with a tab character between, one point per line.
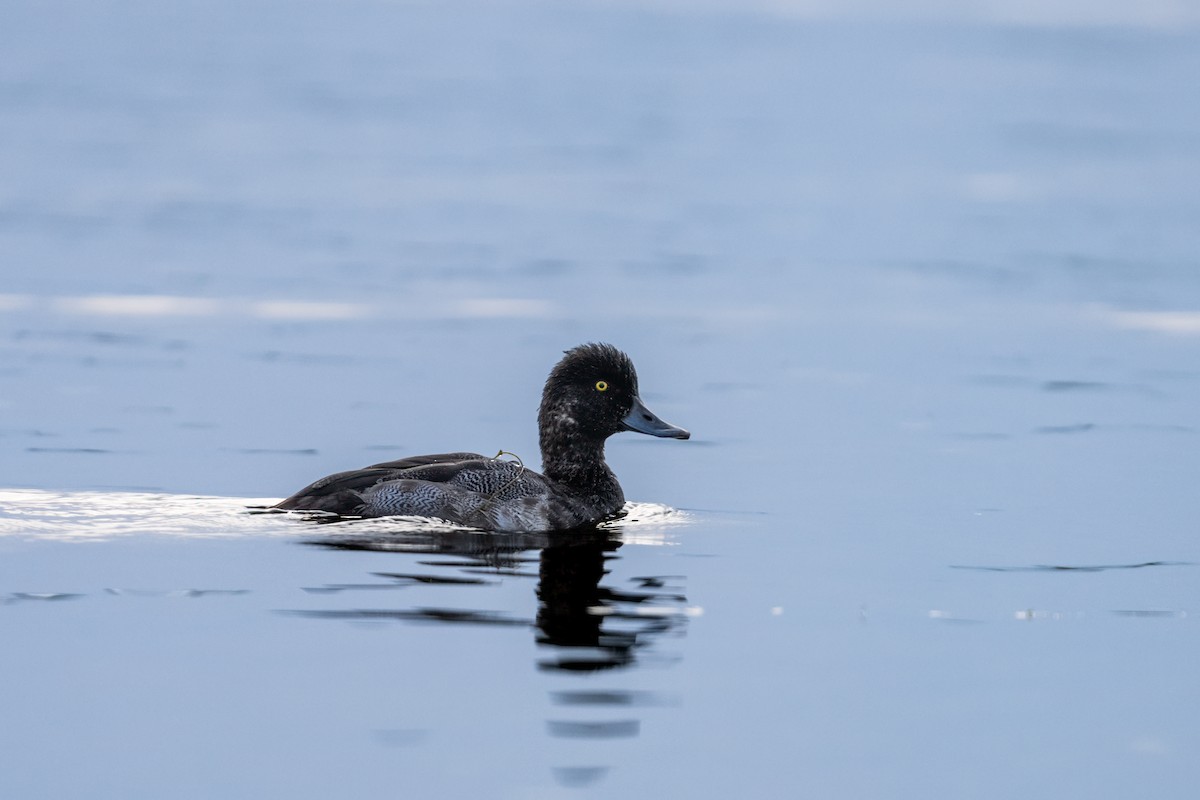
590	394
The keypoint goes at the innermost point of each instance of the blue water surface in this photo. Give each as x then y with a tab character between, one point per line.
922	283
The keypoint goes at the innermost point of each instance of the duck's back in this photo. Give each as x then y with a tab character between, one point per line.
339	493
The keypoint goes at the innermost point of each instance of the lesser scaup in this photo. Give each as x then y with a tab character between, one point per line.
591	394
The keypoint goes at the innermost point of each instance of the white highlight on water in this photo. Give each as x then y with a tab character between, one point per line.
99	516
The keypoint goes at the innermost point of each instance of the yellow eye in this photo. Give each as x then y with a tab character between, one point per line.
601	386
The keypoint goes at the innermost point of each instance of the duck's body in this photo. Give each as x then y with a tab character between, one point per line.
464	488
590	395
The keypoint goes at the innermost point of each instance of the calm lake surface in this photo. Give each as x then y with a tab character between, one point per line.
923	286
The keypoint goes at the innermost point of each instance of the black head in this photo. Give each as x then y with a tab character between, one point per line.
593	393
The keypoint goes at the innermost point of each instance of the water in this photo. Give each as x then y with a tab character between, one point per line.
923	286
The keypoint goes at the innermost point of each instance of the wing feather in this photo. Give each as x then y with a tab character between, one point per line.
342	492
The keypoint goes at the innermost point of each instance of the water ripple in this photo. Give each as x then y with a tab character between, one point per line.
97	515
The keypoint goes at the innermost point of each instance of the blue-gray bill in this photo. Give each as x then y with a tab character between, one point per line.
643	420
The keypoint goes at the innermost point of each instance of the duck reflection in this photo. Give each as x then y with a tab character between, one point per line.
583	624
570	606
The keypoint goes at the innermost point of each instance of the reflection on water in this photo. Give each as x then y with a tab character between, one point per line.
585	623
582	626
142	306
1074	567
17	597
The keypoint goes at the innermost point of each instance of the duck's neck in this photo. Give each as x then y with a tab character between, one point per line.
576	460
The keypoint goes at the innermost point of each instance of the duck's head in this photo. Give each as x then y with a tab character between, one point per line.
593	393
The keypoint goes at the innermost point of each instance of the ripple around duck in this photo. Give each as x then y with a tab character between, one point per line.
98	515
